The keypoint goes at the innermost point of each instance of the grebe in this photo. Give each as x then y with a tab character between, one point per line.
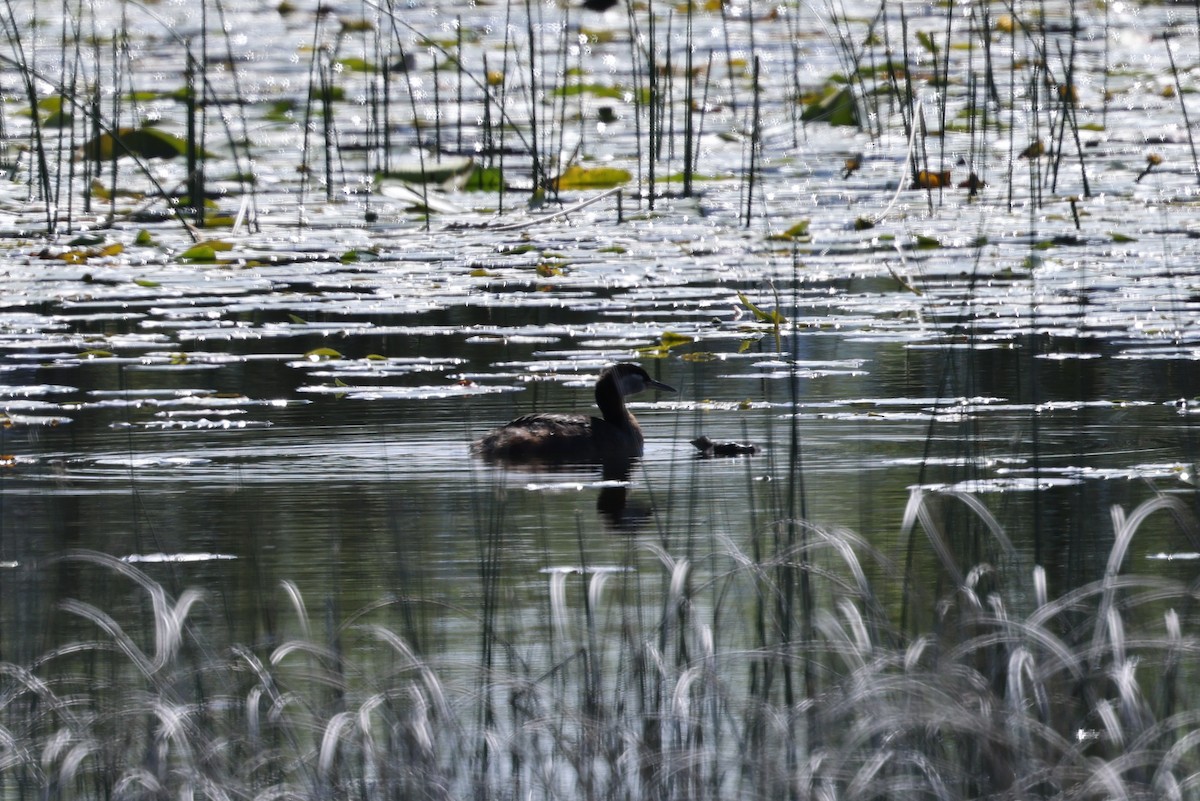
576	437
708	448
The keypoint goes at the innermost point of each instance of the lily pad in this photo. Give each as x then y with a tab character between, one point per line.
147	143
577	177
837	108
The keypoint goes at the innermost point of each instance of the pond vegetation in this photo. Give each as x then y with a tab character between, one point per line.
923	275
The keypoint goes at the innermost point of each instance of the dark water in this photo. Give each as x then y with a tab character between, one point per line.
357	498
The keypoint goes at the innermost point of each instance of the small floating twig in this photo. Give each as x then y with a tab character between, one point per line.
560	213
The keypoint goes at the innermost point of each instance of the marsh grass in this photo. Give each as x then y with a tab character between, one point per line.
766	668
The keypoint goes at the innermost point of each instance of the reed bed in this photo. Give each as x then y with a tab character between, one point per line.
730	676
1018	99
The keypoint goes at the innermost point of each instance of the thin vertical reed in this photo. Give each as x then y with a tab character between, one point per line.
689	98
536	167
1187	125
195	169
755	143
652	105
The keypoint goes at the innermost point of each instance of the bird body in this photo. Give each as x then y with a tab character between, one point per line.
576	437
708	448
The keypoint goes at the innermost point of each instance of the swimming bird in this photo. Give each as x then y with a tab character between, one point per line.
709	448
576	437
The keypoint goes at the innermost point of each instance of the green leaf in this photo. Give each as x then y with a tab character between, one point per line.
484	179
86	240
597	89
146	282
431	169
355	64
577	177
670	339
297	320
772	317
146	143
205	251
798	232
202	253
837	108
322	354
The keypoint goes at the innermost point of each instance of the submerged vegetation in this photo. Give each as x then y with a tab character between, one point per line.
220	219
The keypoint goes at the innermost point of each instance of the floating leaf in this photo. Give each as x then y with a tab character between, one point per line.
146	143
281	111
143	238
355	64
798	232
700	356
322	354
577	177
115	249
927	179
430	169
1035	150
837	108
926	242
484	179
1121	238
205	251
297	320
670	339
146	282
96	354
85	240
597	89
375	357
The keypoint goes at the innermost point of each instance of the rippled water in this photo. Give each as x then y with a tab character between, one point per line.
299	408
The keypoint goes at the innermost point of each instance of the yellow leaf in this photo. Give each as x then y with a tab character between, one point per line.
772	317
322	354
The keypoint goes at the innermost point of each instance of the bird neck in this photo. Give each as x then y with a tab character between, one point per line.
612	405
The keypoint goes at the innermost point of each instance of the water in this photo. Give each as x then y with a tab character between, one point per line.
284	428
